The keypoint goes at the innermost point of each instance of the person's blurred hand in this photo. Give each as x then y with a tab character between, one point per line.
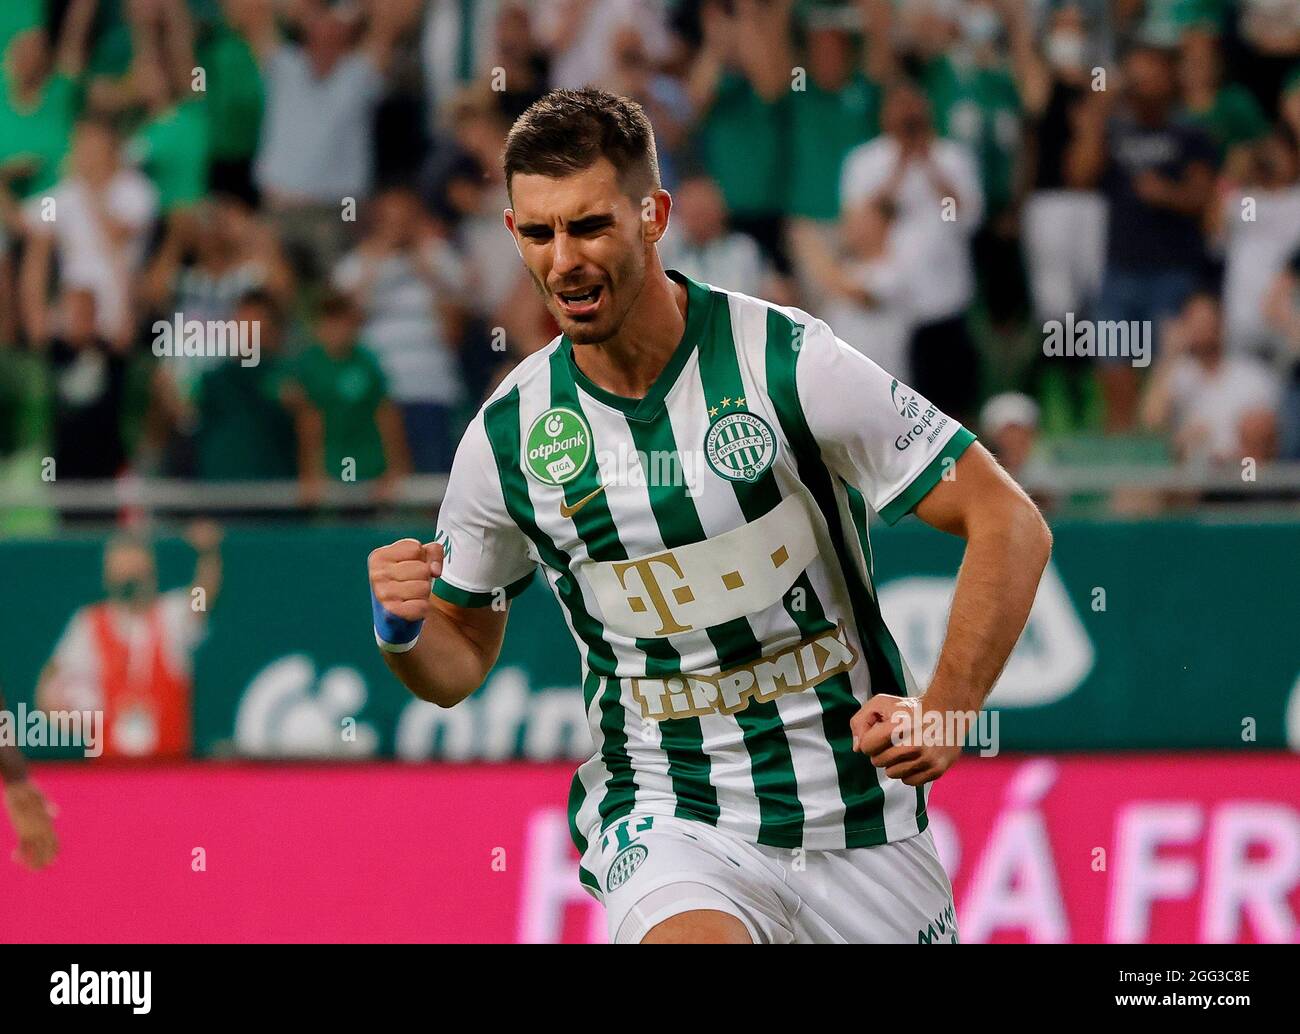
204	535
1151	187
32	817
311	490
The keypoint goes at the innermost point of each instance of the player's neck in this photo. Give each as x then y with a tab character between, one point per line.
629	363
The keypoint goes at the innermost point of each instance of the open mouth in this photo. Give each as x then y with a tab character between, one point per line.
581	301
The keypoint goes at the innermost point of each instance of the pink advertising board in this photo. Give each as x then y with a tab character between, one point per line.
1133	848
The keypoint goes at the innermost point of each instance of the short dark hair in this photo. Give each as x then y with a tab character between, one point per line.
263	299
567	131
336	304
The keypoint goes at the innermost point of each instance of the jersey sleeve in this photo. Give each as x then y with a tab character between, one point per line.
485	551
874	431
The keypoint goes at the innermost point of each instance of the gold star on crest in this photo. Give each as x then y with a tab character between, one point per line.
726	402
713	411
740	401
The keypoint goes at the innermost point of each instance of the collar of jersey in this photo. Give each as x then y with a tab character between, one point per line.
699	299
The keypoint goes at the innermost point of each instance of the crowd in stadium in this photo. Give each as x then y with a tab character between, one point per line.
938	179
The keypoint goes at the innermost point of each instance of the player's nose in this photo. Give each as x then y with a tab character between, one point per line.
566	256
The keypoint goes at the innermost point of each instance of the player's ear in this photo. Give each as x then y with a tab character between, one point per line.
508	215
655	207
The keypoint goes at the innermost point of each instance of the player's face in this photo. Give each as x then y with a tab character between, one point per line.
585	244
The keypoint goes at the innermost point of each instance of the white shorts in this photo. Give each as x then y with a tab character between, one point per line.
653	867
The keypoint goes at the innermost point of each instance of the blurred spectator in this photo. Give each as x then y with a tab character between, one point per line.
739	87
38	102
838	107
1259	220
95	222
1217	408
700	245
470	191
1282	305
580	35
88	377
1064	226
1158	174
130	656
866	301
1009	428
354	429
246	414
410	284
235	99
933	186
171	145
317	145
1270	30
1227	112
201	272
457	42
975	101
664	99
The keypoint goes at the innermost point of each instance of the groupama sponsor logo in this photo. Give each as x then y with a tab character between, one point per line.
927	423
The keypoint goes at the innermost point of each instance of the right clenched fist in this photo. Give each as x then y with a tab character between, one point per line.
402	574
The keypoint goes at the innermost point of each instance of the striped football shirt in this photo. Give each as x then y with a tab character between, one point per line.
708	548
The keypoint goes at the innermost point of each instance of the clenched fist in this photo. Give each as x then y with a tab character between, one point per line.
401	580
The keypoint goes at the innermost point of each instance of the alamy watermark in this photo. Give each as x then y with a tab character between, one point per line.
37	728
659	468
913	727
1102	339
185	338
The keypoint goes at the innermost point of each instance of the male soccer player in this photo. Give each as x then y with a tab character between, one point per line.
691	469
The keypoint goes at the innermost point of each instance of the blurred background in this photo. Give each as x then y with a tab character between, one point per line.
183	533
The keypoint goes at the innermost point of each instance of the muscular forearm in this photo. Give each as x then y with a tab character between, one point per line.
1004	560
445	665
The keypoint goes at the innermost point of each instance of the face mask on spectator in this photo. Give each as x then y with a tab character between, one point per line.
980	25
1066	49
127	590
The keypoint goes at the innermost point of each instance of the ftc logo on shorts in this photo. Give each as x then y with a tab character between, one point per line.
631	855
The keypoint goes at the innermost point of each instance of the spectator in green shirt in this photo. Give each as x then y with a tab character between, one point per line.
38	103
739	88
235	98
350	427
247	413
1228	112
976	101
837	106
171	146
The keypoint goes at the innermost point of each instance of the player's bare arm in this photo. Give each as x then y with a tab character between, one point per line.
1007	547
457	646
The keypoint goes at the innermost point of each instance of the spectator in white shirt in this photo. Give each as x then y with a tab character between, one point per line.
95	222
579	35
1260	226
1218	408
866	291
409	283
933	186
317	139
700	244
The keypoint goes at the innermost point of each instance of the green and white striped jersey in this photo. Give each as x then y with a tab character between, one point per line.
708	547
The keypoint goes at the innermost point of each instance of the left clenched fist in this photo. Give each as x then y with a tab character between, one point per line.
909	741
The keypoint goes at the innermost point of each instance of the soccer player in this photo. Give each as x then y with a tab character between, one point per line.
691	470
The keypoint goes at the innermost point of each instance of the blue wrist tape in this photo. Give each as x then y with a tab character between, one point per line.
394	634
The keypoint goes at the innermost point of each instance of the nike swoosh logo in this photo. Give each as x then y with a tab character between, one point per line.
568	511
